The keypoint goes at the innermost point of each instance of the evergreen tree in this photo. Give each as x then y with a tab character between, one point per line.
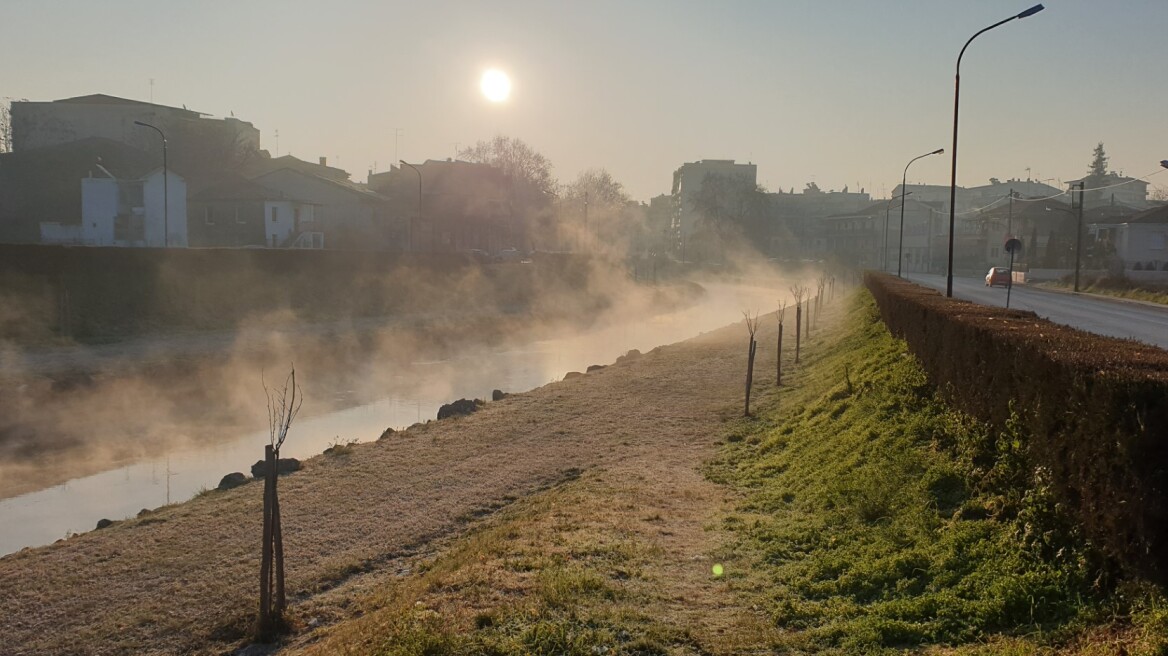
1096	175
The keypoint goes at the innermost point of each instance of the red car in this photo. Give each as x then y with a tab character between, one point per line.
998	276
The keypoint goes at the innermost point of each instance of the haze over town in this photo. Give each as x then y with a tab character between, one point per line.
836	93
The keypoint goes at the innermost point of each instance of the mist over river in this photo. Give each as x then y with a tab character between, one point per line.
409	394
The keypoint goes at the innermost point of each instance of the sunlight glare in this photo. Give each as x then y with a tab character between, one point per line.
495	84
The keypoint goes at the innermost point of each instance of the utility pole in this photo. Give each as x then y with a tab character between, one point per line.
1010	216
1078	233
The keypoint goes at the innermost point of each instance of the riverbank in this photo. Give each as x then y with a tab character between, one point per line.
73	411
628	510
182	579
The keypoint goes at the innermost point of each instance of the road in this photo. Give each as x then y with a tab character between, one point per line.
1144	322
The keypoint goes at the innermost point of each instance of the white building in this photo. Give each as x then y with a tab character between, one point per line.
127	213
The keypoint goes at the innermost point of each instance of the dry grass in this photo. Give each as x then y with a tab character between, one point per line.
184	580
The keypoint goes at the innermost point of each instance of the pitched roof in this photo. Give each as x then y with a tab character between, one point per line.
1154	215
103	99
341	184
263	166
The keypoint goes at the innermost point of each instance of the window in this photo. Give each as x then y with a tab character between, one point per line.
275	214
208	215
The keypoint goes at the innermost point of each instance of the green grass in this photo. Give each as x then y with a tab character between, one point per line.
883	520
1118	288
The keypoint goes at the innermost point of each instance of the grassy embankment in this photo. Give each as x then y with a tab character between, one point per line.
1118	288
869	517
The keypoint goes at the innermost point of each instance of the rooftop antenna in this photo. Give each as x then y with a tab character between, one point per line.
277	142
151	91
396	133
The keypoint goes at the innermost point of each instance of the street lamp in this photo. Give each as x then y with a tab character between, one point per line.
903	184
404	163
1164	163
887	209
956	98
165	187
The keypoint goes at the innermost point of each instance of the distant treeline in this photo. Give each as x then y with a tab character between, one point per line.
1092	410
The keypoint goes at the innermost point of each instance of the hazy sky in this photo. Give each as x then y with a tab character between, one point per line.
840	92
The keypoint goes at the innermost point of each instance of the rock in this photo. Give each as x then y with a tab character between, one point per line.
283	466
572	374
145	511
628	357
595	367
459	408
104	523
498	395
386	433
234	479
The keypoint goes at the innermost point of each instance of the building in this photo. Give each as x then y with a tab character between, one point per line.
858	237
241	213
687	186
44	185
45	124
348	216
797	219
1114	189
149	211
1139	241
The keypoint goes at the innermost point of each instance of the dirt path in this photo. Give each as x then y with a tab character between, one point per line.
183	579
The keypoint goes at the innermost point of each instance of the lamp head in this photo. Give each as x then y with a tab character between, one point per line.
402	161
1031	11
141	123
1164	163
938	151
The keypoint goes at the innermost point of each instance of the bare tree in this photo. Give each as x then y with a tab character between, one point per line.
820	286
798	291
752	328
779	350
283	406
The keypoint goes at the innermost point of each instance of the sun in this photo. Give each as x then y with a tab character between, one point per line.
495	84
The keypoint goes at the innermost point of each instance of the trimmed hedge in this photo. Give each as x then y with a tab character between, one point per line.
1095	408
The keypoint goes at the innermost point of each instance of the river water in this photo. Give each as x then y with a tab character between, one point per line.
413	394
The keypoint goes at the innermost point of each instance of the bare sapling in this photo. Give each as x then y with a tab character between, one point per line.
821	286
283	406
779	349
752	328
798	291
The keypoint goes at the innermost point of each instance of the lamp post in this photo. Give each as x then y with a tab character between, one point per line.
956	104
165	187
887	209
903	184
404	163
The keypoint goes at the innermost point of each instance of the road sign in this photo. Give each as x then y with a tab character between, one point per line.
1013	245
